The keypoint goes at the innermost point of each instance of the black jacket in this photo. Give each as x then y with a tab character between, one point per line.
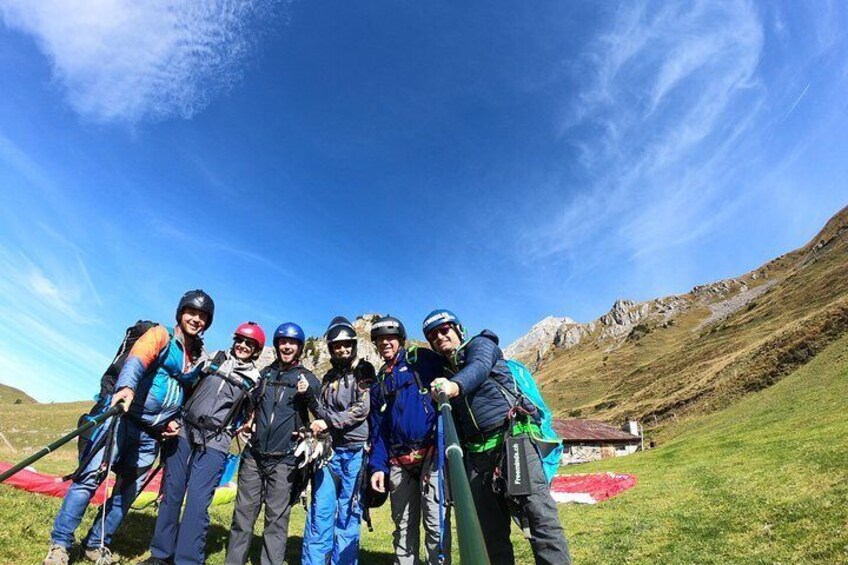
280	411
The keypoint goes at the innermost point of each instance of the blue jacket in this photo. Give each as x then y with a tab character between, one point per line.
402	419
157	369
484	381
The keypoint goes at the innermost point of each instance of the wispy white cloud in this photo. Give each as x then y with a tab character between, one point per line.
48	307
127	61
669	89
63	286
64	366
210	243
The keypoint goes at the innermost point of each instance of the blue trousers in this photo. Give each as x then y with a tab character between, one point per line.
332	524
193	473
134	453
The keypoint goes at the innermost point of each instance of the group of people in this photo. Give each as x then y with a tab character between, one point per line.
377	432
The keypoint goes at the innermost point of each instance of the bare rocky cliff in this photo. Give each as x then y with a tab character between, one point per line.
316	356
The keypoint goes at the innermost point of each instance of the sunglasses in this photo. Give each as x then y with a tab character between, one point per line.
436	332
244	341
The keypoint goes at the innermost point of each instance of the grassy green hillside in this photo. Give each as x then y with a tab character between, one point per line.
762	481
11	395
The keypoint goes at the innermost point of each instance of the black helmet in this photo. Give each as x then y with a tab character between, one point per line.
388	325
340	329
198	300
371	498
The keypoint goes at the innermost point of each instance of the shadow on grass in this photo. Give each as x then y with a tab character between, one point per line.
133	540
294	550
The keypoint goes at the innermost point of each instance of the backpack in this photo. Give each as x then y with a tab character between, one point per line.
108	380
549	444
110	377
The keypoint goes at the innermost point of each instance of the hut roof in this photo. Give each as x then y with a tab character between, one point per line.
590	430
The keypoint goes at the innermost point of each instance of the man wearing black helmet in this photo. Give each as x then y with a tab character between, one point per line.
150	388
403	444
268	472
332	524
482	395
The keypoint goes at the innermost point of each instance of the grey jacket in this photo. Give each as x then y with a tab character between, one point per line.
219	401
343	403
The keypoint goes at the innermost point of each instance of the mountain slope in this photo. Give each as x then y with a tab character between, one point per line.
762	481
11	395
666	358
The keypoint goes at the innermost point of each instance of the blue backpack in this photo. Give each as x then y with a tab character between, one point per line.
549	444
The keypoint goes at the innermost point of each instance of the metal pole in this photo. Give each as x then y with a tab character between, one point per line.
472	548
96	421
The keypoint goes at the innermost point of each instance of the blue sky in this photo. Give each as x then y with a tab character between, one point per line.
308	159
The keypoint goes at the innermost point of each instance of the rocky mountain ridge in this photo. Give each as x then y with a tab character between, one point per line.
627	319
663	360
316	355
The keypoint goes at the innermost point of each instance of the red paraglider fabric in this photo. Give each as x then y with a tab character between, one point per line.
590	488
41	483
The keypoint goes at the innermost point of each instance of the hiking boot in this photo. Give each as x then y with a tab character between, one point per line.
56	555
153	561
100	557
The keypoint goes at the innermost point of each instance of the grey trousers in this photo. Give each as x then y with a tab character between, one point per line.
269	483
547	535
415	497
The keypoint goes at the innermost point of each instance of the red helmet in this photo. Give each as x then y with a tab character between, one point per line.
252	331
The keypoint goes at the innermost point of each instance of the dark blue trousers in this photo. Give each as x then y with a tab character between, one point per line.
193	473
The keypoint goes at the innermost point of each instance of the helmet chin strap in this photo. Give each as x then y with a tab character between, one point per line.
342	363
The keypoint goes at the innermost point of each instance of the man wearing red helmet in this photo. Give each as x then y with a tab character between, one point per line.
195	462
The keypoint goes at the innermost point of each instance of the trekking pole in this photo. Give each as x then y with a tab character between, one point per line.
472	548
105	556
96	421
440	458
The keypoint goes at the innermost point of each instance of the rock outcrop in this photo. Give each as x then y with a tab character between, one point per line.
631	320
316	356
536	343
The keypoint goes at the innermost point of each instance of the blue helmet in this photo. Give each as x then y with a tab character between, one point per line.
438	318
289	329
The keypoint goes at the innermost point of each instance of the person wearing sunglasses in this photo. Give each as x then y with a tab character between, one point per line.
483	401
216	412
403	444
331	533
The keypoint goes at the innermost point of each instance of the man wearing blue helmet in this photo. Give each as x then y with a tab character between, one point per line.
483	400
268	470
